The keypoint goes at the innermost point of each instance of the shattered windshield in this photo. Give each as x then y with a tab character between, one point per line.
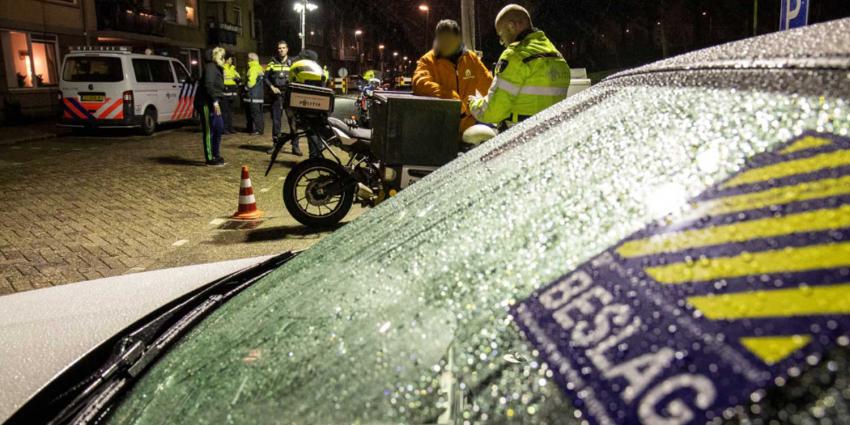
404	314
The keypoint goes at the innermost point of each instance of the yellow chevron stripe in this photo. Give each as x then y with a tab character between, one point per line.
773	349
808	142
745	264
801	301
777	196
790	168
810	221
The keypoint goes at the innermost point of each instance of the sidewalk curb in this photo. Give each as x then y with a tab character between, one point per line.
34	138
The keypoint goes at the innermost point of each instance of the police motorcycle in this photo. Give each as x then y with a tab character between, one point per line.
413	136
364	101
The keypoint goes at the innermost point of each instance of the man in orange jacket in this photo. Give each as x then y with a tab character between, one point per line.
449	71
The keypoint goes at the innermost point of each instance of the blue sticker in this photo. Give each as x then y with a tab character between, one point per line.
685	319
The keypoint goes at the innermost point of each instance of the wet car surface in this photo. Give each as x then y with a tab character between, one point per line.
650	190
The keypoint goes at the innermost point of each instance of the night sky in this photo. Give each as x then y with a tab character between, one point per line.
600	35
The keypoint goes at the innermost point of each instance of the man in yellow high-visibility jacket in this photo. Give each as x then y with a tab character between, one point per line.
531	74
231	92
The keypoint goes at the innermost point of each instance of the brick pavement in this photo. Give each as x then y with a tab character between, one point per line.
79	208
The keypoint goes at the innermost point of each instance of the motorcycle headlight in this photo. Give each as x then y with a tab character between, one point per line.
390	174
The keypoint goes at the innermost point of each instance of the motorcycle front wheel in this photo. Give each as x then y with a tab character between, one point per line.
315	192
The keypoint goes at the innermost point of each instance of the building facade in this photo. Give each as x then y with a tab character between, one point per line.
36	34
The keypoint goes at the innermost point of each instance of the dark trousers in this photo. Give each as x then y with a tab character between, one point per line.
212	126
254	116
227	106
277	118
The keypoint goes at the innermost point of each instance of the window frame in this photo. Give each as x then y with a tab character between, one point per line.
8	60
176	64
146	63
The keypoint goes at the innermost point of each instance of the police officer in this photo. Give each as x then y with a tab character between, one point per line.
231	92
254	95
531	74
276	76
208	102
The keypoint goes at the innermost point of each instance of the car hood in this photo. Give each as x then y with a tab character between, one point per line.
824	45
44	331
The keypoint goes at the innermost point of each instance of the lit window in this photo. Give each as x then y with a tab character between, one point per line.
191	15
30	60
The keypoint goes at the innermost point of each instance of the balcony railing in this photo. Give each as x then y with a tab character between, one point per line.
127	17
221	33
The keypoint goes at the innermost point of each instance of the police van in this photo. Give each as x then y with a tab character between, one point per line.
112	87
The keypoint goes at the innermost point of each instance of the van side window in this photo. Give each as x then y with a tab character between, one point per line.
142	71
153	71
182	74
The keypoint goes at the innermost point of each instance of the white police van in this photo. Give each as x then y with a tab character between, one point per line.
112	87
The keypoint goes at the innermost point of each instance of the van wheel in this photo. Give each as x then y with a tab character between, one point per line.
149	121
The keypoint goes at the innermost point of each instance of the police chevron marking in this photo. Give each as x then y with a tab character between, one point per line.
756	276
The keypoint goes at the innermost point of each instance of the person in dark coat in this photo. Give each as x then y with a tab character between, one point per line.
208	101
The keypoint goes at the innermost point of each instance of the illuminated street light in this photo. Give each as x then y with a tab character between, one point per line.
395	54
424	8
303	7
358	32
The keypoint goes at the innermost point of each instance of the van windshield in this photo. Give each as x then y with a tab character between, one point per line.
92	69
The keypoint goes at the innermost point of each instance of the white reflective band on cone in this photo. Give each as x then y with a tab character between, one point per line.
244	200
245	183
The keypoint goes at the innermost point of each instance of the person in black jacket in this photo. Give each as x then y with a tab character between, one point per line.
208	104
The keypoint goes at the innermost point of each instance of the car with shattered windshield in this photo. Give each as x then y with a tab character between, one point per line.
670	246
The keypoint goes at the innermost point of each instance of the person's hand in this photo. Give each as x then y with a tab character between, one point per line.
275	90
217	109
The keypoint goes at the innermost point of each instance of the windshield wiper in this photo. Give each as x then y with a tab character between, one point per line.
86	392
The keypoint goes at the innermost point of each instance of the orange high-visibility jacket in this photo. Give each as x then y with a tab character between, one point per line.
440	77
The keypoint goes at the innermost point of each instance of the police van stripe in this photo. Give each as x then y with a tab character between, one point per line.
79	108
191	100
181	98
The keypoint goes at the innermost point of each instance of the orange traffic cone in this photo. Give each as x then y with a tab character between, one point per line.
247	203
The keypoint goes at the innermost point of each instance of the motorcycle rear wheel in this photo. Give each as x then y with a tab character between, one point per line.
304	193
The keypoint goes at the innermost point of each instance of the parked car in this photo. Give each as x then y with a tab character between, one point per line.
667	247
110	87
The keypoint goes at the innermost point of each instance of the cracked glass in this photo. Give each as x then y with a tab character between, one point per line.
403	316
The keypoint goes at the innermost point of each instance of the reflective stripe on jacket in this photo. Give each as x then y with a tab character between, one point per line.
254	85
531	76
277	72
436	76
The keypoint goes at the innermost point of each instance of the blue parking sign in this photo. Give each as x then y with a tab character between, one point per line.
794	14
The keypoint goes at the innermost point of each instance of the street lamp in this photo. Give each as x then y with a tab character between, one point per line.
303	7
427	10
381	54
358	33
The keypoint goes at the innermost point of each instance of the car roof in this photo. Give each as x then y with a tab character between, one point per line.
118	55
820	46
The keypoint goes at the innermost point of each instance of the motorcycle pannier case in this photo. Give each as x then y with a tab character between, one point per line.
414	130
307	98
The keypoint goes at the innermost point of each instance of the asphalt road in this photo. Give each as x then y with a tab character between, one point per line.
80	208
